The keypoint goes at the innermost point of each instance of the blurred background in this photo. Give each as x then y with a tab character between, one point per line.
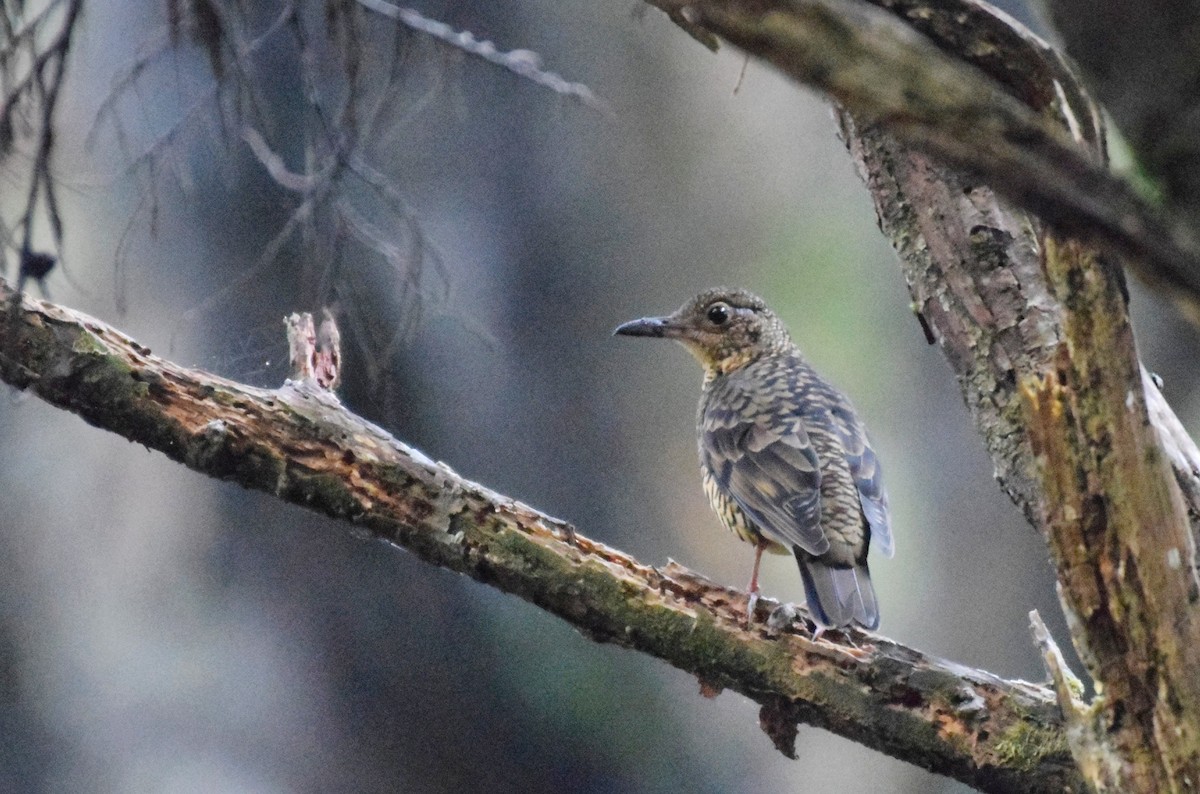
163	632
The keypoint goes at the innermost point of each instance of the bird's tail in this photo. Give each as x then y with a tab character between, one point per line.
836	596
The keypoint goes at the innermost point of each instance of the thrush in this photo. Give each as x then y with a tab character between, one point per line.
785	460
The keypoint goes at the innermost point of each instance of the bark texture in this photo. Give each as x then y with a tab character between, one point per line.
1044	354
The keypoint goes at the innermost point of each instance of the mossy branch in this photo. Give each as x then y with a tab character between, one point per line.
299	444
1080	436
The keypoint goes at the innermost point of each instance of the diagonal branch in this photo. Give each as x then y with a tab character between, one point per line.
299	444
893	69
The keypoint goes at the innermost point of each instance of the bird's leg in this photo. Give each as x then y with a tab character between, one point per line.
759	548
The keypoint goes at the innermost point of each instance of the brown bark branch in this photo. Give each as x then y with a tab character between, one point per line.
894	69
299	444
1118	530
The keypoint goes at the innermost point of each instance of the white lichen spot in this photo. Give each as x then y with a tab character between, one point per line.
216	427
1130	400
1174	559
970	704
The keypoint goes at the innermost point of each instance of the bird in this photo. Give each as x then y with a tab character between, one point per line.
785	461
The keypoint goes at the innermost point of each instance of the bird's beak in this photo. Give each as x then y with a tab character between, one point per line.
648	326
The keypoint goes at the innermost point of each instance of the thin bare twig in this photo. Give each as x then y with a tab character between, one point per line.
525	63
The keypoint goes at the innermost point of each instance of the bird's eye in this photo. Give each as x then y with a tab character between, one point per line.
718	314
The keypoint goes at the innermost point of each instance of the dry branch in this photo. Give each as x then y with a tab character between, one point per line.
299	444
1118	532
524	63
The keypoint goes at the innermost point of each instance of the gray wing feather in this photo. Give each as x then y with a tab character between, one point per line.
769	468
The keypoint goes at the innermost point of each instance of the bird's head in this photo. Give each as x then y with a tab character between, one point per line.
725	329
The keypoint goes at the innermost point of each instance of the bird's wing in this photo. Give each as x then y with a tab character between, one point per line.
868	478
764	460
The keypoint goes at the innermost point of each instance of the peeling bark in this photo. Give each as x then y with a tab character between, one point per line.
972	265
1011	313
1118	533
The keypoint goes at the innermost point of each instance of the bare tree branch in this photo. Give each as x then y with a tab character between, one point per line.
299	444
974	267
